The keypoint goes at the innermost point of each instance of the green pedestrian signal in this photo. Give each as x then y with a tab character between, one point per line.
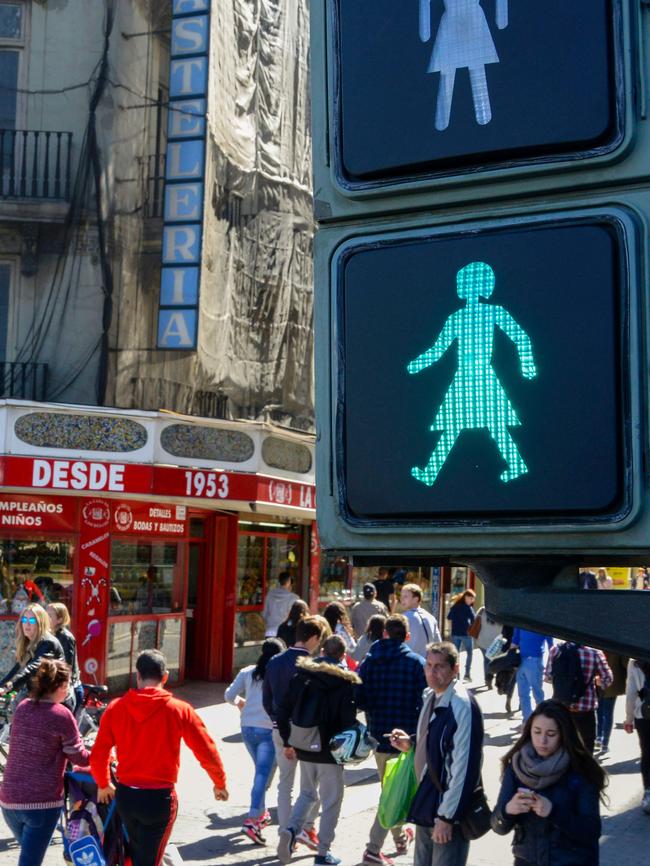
476	398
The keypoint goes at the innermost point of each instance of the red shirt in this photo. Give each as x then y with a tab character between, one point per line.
146	727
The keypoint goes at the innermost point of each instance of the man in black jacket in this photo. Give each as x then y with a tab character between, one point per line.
277	677
319	703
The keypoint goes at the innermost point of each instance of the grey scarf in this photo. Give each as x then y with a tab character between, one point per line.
538	773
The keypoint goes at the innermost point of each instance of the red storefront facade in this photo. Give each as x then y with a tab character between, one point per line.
150	555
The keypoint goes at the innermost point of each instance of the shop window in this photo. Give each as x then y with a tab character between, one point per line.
262	555
39	570
145	578
334	582
127	638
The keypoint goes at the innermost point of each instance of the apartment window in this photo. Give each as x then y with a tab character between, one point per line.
5	289
12	28
11	22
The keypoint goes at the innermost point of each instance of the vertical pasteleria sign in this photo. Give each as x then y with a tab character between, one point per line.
94	575
184	175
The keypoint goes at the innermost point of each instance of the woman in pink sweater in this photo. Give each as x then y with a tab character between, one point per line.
44	735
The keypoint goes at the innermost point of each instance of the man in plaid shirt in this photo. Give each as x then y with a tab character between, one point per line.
594	667
392	683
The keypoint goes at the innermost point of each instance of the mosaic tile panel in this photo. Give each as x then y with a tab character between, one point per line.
80	432
207	443
282	454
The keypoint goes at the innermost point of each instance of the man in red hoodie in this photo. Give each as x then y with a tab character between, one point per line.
146	727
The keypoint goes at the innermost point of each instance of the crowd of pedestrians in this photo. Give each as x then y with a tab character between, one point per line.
327	691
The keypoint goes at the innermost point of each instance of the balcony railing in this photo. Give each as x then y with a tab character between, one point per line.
23	380
154	184
35	164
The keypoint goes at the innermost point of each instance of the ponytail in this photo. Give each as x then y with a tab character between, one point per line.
49	676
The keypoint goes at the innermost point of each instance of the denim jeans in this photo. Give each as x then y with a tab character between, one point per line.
529	678
464	642
605	717
430	853
259	743
32	829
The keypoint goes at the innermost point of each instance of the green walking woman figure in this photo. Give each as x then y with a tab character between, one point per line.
476	398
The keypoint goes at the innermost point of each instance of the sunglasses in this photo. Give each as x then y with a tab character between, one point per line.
29	619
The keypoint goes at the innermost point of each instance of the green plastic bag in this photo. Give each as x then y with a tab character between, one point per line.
397	791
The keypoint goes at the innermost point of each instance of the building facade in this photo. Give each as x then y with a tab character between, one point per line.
212	501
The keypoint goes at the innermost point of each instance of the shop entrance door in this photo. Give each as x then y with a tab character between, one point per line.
210	608
199	600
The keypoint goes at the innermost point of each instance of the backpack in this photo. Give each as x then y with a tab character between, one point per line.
307	717
644	695
566	674
82	823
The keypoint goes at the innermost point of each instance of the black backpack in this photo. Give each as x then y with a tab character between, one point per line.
566	673
308	717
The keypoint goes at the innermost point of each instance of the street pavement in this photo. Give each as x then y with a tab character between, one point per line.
208	832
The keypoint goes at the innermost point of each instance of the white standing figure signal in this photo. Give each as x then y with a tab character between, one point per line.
463	41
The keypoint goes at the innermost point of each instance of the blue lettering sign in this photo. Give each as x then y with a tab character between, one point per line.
186	119
183	202
182	245
177	329
190	35
184	175
188	77
179	287
185	159
184	7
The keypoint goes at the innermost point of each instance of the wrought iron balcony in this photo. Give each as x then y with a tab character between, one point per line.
154	185
23	380
35	164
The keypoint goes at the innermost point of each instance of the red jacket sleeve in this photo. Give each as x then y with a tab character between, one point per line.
202	745
100	755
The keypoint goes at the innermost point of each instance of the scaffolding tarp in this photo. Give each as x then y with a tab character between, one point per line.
255	320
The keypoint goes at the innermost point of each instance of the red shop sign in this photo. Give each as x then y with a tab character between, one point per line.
143	518
205	484
49	513
77	475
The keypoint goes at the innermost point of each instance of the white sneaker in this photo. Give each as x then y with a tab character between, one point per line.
645	802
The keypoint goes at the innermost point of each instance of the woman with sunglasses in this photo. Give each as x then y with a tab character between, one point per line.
34	641
44	736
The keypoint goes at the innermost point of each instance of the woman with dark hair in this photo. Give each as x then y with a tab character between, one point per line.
637	697
337	616
44	736
550	793
462	615
245	693
374	631
287	629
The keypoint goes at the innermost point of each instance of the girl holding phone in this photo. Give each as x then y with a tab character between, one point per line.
550	793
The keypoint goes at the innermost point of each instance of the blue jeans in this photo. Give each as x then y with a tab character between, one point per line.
430	853
467	643
32	829
529	678
259	742
605	717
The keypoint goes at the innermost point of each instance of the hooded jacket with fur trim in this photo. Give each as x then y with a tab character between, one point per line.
326	686
146	727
